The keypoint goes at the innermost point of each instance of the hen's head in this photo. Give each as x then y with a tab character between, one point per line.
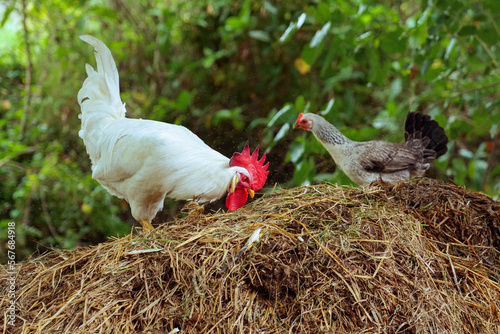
304	122
244	184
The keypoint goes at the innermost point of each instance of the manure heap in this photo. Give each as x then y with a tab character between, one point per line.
415	257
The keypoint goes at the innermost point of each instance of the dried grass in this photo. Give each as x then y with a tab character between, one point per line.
415	257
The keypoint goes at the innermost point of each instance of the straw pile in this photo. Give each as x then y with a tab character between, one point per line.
415	257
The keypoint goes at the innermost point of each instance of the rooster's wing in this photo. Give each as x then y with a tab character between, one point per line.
131	146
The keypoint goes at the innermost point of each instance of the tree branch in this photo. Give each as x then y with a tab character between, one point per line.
493	22
491	159
29	71
487	49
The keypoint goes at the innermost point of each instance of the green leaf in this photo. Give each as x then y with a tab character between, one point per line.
392	108
322	14
221	115
333	51
329	107
467	30
184	100
6	15
392	42
320	35
234	23
282	132
270	8
299	104
489	36
301	20
492	6
494	129
344	74
466	153
291	27
395	88
104	12
449	48
240	22
418	37
211	56
494	172
459	170
309	54
297	149
234	115
260	35
379	71
280	116
338	17
476	169
303	172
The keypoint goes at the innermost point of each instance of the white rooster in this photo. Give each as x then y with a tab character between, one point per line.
143	161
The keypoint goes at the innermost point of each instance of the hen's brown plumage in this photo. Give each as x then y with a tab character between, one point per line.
364	162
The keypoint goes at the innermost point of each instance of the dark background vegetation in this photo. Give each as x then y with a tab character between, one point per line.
233	71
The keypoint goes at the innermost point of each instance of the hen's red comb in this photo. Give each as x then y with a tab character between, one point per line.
252	164
299	118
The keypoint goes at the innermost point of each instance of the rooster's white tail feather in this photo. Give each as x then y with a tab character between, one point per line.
99	96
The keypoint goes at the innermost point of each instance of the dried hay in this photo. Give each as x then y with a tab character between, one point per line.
415	257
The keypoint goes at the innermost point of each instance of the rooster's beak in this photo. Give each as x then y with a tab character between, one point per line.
234	182
296	126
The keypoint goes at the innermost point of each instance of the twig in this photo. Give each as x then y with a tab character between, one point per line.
493	22
8	158
487	49
459	94
491	159
29	70
452	266
46	215
472	90
132	17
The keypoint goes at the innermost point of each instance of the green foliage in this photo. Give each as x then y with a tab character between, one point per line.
371	63
237	70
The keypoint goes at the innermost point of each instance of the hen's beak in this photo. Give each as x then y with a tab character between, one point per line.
234	182
250	192
298	120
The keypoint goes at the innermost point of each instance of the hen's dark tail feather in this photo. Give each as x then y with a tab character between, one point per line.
420	126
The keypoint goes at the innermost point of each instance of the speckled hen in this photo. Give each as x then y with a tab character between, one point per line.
364	162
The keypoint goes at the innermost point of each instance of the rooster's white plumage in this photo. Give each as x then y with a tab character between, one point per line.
143	160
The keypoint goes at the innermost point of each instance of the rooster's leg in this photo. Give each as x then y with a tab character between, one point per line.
146	226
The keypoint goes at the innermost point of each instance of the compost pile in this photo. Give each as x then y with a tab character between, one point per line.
415	257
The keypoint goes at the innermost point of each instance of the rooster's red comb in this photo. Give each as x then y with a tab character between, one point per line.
252	164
